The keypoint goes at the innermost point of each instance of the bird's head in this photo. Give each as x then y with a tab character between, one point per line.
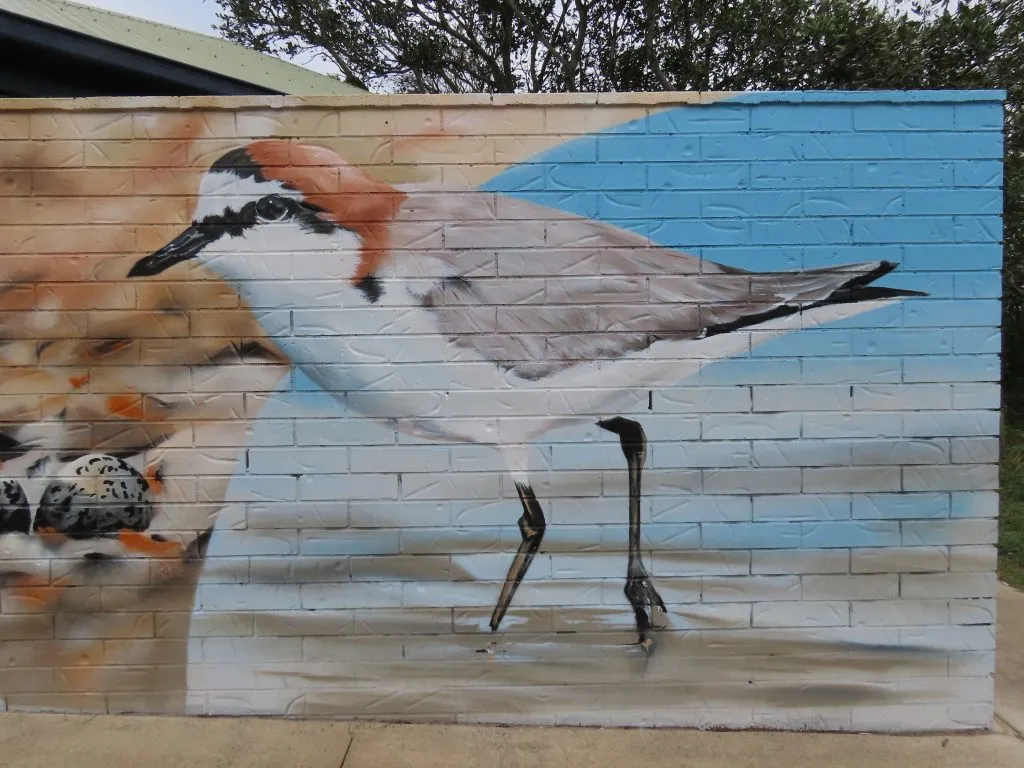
278	210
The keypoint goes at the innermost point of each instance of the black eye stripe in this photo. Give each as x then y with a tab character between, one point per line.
235	223
232	223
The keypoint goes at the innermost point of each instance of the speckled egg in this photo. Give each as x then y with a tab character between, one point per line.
95	495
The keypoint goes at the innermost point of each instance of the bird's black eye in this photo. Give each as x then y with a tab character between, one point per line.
272	208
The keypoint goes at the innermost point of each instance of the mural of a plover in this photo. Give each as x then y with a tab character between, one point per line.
272	219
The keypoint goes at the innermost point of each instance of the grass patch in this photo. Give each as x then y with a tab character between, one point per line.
1011	512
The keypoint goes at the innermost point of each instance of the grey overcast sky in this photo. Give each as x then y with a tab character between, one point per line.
196	15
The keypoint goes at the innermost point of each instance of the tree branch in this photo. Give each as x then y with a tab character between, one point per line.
549	49
539	34
442	24
507	41
583	12
651	10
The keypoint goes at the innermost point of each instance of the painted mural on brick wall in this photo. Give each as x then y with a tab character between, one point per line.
669	414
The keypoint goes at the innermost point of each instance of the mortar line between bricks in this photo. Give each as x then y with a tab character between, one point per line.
348	748
1006	724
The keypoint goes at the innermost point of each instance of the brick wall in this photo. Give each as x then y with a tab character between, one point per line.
336	399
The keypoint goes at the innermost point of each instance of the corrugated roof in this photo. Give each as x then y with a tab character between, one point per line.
191	48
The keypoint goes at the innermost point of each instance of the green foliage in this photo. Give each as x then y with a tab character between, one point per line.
493	46
1011	514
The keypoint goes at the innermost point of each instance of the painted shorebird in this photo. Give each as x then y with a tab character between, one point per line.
295	226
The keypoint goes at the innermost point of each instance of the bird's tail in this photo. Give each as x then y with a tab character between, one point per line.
859	288
780	294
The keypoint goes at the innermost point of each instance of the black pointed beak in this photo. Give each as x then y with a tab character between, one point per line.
185	246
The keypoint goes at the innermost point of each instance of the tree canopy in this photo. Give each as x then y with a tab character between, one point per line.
502	46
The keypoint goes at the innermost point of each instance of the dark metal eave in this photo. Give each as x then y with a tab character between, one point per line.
39	60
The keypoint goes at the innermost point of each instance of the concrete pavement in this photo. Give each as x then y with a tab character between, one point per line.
1010	659
82	741
43	741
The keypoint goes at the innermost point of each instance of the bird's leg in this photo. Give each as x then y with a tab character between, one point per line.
531	528
639	590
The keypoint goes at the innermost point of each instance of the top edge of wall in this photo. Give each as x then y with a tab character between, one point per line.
667	98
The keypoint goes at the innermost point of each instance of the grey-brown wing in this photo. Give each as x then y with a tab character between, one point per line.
571	321
536	290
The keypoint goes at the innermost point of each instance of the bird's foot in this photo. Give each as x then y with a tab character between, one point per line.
644	598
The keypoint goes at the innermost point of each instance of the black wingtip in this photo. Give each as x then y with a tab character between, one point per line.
859	288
